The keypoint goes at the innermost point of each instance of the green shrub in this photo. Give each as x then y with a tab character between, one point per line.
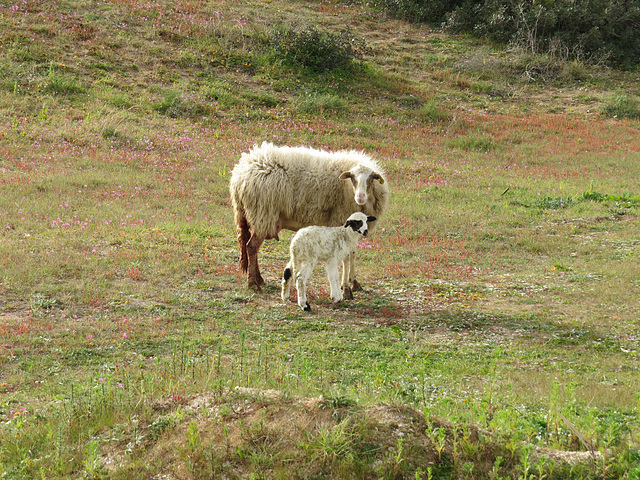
175	103
314	50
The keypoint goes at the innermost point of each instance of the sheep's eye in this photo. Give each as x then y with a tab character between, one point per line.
369	181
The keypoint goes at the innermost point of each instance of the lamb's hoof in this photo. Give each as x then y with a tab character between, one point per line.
307	307
356	286
347	294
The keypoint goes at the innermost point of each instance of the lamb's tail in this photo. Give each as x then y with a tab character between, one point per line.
242	229
286	283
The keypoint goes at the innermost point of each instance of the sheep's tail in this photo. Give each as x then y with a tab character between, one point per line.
242	228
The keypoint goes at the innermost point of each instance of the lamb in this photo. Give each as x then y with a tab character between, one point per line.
274	188
327	244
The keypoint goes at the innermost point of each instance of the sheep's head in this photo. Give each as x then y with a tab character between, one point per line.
361	179
358	223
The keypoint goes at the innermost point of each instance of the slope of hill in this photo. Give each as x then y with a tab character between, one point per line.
497	335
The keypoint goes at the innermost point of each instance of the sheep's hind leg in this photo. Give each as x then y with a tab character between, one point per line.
254	279
243	238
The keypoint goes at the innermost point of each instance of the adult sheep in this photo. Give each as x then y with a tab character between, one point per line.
274	188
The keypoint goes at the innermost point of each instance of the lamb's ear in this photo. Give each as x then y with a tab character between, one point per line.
371	219
348	224
345	175
377	176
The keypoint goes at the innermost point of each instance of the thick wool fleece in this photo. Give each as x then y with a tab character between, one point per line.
289	188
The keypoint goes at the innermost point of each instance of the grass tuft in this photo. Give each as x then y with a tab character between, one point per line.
622	105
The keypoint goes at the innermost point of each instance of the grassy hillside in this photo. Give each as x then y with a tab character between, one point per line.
497	335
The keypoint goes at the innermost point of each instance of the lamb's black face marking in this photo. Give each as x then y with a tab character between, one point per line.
356	226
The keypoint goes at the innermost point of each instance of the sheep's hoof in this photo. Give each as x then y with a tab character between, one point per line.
356	286
307	307
347	294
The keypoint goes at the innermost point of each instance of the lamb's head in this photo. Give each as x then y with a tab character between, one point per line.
358	223
361	178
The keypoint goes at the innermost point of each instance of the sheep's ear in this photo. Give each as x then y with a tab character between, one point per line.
345	175
371	219
377	176
348	224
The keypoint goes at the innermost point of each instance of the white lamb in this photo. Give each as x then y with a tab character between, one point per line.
328	244
274	188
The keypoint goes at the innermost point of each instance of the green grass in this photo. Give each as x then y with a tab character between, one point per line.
498	324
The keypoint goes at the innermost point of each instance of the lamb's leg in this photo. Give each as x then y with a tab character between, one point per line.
334	281
286	282
254	279
302	278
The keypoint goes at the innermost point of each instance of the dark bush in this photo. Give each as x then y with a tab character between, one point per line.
315	50
596	31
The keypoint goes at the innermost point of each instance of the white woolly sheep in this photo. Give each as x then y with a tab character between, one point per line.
274	188
325	244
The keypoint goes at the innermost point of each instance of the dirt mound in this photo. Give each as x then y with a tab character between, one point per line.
270	434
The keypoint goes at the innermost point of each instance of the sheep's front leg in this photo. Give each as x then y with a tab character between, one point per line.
355	285
334	281
349	282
